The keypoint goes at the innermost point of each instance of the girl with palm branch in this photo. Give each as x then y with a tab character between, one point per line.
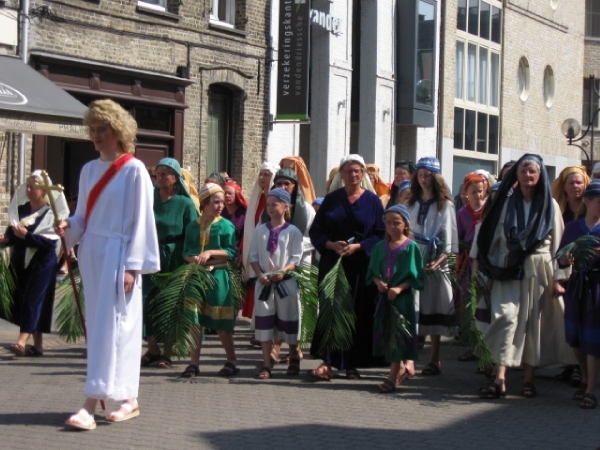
210	238
276	248
396	268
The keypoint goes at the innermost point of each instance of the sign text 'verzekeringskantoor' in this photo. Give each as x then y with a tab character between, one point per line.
293	60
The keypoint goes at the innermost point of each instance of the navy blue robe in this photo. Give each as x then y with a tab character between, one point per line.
339	220
33	299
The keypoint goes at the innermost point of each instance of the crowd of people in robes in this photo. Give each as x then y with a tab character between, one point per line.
400	246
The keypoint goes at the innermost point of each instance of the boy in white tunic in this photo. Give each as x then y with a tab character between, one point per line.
114	224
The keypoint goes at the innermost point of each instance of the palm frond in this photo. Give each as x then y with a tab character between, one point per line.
237	285
68	321
470	332
7	284
307	279
175	307
395	331
582	250
336	309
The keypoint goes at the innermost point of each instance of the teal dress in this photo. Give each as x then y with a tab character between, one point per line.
217	312
172	217
396	266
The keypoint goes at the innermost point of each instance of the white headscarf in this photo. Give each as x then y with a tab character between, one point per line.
249	225
337	182
46	226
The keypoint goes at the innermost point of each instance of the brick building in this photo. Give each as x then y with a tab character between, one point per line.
193	74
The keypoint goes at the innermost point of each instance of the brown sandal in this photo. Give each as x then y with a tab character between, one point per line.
294	367
321	373
17	349
228	370
264	374
387	387
191	371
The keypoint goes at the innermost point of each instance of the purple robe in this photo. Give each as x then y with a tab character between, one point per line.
582	313
465	227
237	219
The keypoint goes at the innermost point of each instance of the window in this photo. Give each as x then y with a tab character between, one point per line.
219	129
223	12
592	18
480	18
549	86
587	114
425	54
477	78
523	78
159	5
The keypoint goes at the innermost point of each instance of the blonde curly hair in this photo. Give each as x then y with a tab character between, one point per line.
123	125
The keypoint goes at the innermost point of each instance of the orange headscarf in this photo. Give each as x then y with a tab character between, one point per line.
296	163
473	178
380	186
558	186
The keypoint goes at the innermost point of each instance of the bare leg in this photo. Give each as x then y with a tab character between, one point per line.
276	349
582	359
501	377
435	349
38	342
395	369
227	342
195	354
23	338
153	346
529	373
410	367
266	351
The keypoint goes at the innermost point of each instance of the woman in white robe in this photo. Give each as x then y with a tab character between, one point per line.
118	244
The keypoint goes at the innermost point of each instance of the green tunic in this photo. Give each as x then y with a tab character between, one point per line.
217	312
408	268
172	217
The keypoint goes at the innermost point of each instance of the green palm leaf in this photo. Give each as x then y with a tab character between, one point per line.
7	284
175	307
582	250
67	317
395	330
336	309
307	279
237	285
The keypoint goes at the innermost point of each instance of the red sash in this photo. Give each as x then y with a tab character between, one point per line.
98	188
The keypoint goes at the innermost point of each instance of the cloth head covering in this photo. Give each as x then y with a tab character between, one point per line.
318	201
249	224
297	164
488	177
46	226
209	189
429	163
219	177
399	209
188	180
596	168
472	178
407	165
558	186
332	173
404	185
281	194
240	200
381	187
337	182
522	239
172	163
299	207
592	189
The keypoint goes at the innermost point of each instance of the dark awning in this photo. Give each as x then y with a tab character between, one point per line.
30	103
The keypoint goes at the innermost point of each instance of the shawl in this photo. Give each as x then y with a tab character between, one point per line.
188	180
296	163
558	186
522	239
299	214
337	182
174	165
239	197
381	187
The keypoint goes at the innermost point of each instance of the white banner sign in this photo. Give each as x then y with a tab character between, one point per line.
42	125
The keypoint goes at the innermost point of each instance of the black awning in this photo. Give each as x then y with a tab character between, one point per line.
30	103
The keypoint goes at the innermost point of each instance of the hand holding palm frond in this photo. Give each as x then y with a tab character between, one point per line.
68	322
581	249
337	322
180	296
7	284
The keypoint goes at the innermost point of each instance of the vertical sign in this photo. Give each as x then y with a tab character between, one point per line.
293	60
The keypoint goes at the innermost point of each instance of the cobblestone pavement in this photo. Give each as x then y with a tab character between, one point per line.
210	412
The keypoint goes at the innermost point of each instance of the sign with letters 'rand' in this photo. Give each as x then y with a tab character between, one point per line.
293	60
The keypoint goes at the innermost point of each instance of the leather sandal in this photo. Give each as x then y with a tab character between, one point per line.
83	420
264	374
191	371
125	412
387	387
294	367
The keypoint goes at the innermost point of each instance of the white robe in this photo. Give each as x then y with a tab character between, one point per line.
435	300
120	235
284	313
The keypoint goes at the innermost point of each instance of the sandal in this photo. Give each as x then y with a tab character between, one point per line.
294	367
431	369
130	411
565	375
352	374
468	356
255	342
580	393
83	420
264	374
191	371
589	402
164	362
228	370
576	377
18	350
150	358
274	360
387	387
32	351
402	376
286	358
528	391
321	373
493	390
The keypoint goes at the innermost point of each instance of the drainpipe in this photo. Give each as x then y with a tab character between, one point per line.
24	49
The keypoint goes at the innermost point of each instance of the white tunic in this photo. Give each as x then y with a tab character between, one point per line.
120	235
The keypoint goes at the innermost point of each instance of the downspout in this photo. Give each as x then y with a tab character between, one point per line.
441	84
24	49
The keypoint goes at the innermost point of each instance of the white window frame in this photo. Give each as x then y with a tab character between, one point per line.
162	6
229	19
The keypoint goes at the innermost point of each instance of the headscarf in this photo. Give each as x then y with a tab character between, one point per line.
332	173
173	164
240	200
188	179
337	183
208	190
522	239
46	226
558	186
399	209
395	191
300	216
488	177
281	194
217	176
592	189
381	187
249	224
407	165
472	178
296	163
429	163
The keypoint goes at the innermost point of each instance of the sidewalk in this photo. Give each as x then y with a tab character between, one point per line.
210	412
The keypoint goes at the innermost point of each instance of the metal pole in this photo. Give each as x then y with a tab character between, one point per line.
24	48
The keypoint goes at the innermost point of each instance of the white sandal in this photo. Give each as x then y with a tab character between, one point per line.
131	411
83	420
